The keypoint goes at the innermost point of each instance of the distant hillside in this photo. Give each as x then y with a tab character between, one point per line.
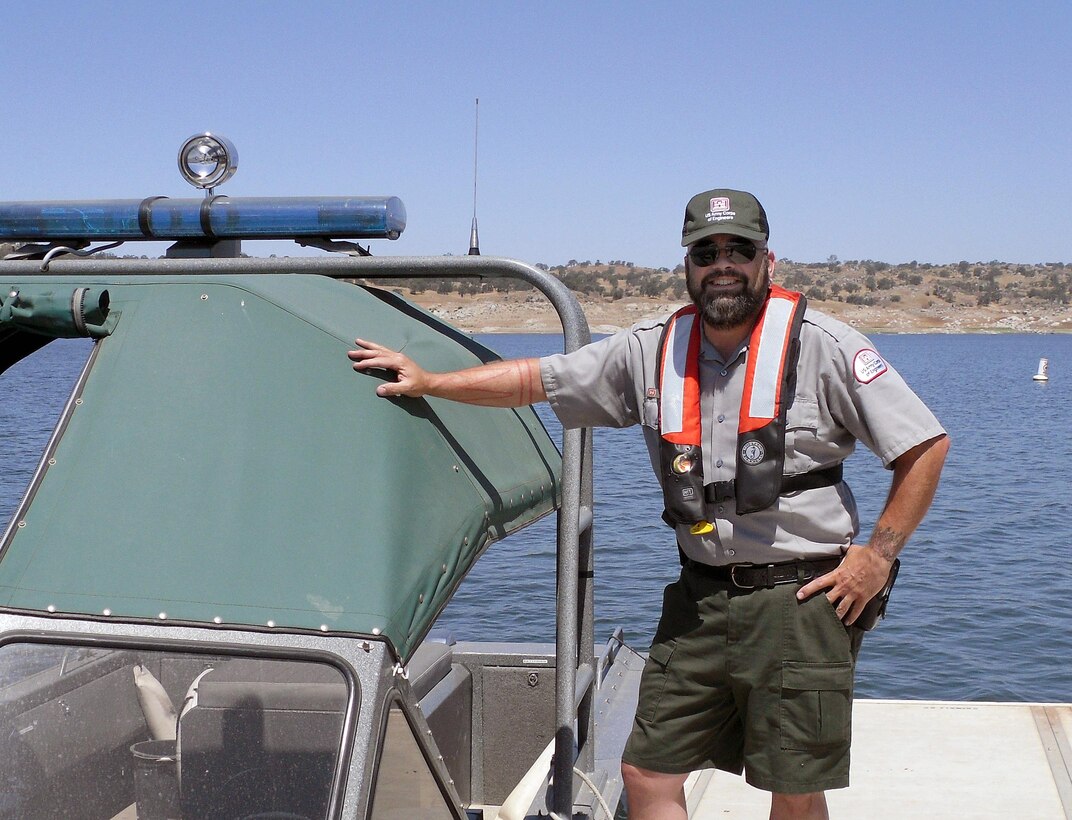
962	297
973	284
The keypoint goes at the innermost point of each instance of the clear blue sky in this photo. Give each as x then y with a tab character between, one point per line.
935	131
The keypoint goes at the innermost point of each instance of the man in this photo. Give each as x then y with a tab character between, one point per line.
748	402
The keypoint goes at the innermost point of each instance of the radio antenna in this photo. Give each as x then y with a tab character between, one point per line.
474	241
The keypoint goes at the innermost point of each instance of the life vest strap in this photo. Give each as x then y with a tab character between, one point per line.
720	491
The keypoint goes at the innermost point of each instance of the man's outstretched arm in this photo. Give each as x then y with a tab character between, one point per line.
511	383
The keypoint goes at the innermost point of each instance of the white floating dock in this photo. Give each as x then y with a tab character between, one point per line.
932	759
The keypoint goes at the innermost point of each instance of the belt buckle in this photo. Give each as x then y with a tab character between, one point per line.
733	576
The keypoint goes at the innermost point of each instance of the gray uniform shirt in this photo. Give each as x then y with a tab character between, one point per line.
845	393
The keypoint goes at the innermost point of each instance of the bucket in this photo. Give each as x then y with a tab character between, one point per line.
156	785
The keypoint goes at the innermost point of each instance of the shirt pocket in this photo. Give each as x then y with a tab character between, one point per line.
801	427
816	706
803	416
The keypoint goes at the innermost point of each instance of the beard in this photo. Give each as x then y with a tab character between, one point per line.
729	311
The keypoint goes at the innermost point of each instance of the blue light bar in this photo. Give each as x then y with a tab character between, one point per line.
357	217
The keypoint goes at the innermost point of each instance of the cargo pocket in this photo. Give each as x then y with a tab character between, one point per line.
816	707
653	680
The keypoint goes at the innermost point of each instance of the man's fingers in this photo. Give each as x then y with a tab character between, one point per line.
370	362
370	354
849	612
817	585
852	613
370	359
389	389
405	379
846	605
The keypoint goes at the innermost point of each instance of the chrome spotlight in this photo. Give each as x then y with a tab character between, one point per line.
207	160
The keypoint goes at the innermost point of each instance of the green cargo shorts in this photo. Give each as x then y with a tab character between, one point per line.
747	680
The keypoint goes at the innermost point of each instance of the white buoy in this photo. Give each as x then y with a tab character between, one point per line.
1043	374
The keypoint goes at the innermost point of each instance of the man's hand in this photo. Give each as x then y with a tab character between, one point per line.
857	580
410	379
511	383
864	569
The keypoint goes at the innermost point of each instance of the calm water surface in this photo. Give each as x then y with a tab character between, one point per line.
983	606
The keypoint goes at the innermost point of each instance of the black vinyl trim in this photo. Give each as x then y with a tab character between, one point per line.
144	210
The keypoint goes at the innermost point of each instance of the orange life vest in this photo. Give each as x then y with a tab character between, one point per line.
770	381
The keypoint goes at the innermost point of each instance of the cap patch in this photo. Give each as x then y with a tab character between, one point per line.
719	210
868	366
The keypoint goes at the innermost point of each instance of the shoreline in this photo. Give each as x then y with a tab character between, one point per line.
530	312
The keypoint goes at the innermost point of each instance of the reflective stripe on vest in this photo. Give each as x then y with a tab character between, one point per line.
768	350
679	379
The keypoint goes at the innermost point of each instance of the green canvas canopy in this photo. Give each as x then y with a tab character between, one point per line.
224	463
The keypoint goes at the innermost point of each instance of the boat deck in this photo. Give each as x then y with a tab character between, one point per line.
933	759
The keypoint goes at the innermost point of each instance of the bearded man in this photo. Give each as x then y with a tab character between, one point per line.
749	402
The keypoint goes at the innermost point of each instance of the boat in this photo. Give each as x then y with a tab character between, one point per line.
218	591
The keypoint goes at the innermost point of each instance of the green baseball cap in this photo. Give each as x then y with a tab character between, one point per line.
724	211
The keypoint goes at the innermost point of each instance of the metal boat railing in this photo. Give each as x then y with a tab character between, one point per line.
575	637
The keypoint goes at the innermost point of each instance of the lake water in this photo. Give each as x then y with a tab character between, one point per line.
982	609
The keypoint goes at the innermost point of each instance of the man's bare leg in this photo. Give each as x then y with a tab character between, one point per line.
654	795
799	806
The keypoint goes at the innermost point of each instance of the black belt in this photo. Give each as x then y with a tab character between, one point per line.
765	576
719	491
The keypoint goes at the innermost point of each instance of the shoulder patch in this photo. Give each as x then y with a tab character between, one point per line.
867	365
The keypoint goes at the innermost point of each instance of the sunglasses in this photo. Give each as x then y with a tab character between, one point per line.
739	253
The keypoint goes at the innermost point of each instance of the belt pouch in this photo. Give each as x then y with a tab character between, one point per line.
876	607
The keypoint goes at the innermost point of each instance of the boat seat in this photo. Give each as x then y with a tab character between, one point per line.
431	662
261	736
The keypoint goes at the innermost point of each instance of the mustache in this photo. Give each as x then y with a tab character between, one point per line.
711	277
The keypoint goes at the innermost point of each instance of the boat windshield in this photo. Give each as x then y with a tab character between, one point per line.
116	733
